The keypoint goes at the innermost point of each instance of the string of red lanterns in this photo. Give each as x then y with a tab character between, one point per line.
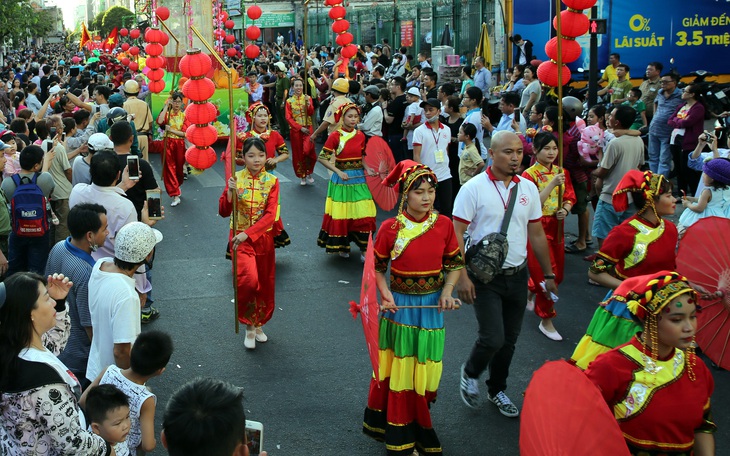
341	26
253	32
198	89
156	40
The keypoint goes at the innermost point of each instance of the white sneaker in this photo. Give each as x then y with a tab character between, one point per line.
250	340
303	182
504	404
530	304
310	180
469	389
260	336
175	201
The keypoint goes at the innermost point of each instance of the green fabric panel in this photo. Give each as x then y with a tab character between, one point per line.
424	344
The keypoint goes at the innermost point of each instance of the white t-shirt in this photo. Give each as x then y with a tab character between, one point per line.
434	145
482	202
115	316
533	87
474	117
416	111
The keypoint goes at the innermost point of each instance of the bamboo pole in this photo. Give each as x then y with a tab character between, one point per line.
232	141
559	31
305	27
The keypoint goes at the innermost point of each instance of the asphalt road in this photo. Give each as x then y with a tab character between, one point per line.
308	385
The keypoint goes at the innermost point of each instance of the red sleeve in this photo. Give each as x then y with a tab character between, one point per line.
267	220
310	107
526	146
333	140
529	177
384	242
569	193
290	117
618	243
225	207
278	142
606	373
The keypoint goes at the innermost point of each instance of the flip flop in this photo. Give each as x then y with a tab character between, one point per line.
571	248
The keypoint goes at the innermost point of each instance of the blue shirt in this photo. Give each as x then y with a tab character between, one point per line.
664	110
483	80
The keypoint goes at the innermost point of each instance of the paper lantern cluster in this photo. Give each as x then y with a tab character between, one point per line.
200	113
341	26
253	32
156	39
573	23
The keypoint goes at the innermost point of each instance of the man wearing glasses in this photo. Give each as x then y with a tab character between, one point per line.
666	103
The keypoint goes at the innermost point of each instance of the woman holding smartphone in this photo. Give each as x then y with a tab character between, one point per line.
172	119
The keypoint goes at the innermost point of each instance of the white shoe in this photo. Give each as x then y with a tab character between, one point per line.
310	180
530	305
175	201
250	340
260	336
344	255
303	182
552	335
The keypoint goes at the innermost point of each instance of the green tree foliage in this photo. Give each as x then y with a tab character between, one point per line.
19	21
95	25
117	16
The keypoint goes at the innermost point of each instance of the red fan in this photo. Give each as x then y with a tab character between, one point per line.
378	163
369	309
564	414
704	258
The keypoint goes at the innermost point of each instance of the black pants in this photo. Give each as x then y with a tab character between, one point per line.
687	178
444	201
499	308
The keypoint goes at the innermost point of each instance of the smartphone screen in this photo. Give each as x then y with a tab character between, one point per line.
47	145
63	136
154	207
53	132
97	109
254	437
133	164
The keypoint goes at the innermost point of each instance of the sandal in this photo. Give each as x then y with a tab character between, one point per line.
571	248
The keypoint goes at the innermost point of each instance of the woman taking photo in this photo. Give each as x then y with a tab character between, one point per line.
516	82
425	263
39	402
299	111
172	119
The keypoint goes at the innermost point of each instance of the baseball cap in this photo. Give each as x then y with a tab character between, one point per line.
341	85
131	87
54	90
116	100
372	90
4	146
280	66
431	102
100	141
414	91
7	133
135	241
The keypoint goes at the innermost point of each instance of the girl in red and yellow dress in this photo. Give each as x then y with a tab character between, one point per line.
657	388
172	119
550	181
299	111
349	212
258	118
643	244
256	193
425	262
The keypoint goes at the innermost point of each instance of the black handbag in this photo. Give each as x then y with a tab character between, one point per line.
485	258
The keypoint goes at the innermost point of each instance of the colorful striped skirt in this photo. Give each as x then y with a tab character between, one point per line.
411	349
349	213
610	327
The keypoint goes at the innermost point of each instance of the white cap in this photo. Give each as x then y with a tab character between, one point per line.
100	141
280	66
414	91
54	90
135	241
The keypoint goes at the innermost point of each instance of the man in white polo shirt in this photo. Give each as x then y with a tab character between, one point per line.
499	305
430	143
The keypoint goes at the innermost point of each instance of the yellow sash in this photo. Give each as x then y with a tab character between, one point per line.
410	230
645	235
344	137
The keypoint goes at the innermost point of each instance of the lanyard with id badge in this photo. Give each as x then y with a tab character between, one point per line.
440	152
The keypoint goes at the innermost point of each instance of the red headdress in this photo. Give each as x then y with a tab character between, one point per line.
634	181
344	108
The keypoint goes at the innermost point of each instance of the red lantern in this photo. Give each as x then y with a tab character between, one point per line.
340	26
223	16
156	74
254	12
571	49
349	51
201	113
332	2
155	62
232	52
134	34
201	136
219	34
580	4
162	13
153	35
164	39
125	47
125	61
252	51
134	50
201	158
337	13
195	64
230	39
253	33
156	86
153	49
134	66
572	24
230	24
199	89
123	32
547	73
344	39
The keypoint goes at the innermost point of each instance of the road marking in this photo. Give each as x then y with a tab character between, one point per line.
282	178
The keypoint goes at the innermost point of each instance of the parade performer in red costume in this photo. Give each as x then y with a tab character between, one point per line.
299	111
643	244
425	263
550	181
657	388
172	119
349	213
256	195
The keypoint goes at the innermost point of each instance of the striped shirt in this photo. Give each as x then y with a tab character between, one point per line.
76	264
